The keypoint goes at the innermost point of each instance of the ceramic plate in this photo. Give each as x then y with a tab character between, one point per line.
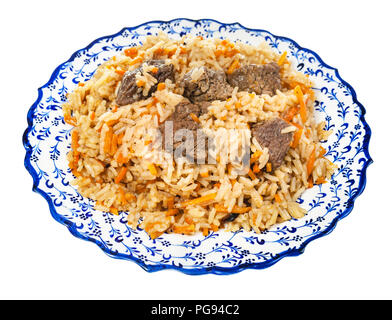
47	141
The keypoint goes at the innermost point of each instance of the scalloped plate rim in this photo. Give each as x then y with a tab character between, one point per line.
203	270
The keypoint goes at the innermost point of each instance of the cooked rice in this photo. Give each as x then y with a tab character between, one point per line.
105	134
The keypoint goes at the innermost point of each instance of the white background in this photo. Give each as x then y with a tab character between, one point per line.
40	259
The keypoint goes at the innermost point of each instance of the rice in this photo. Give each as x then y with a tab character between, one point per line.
116	163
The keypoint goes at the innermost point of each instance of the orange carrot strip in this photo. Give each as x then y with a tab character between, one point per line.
113	145
220	208
136	61
310	183
161	86
302	107
256	168
152	168
321	180
170	202
198	201
205	232
194	117
120	72
140	83
131	52
277	198
268	167
255	156
129	196
70	120
233	66
282	58
114	211
108	140
120	175
92	115
115	108
251	174
184	229
204	174
296	138
290	114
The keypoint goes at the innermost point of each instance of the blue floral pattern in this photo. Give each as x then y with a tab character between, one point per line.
47	141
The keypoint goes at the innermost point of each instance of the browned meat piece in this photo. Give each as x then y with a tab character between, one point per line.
269	135
211	85
256	78
182	127
129	92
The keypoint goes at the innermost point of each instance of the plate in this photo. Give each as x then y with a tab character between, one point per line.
47	140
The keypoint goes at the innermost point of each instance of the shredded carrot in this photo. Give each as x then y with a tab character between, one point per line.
92	115
114	211
233	66
255	156
296	138
214	227
310	182
140	83
120	175
204	174
321	180
70	120
302	106
256	168
171	212
154	70
220	208
155	234
189	229
113	145
170	202
277	198
282	58
290	114
194	117
218	53
268	167
108	140
120	137
111	123
238	105
161	86
199	201
81	84
120	72
153	169
312	159
121	159
205	232
171	52
136	61
217	185
188	220
251	174
131	52
147	142
322	151
122	196
183	50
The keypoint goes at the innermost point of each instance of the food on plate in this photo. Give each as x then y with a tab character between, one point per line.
193	135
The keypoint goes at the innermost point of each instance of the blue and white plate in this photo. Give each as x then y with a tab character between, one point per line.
47	141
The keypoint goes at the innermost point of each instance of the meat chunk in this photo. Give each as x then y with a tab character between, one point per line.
269	135
256	78
129	92
205	84
183	128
